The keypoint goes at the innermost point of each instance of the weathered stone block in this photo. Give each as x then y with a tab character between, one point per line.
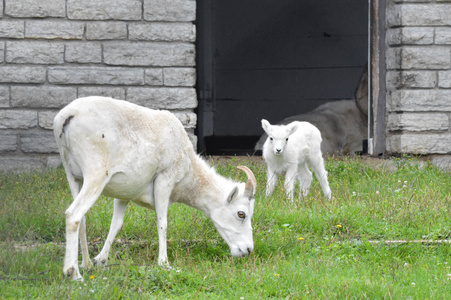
35	52
53	161
84	52
12	164
183	32
170	10
96	75
13	29
443	35
410	36
419	100
412	79
35	9
179	76
163	98
113	92
2	52
46	119
425	58
154	76
442	162
188	119
42	96
149	54
393	58
420	143
425	14
4	96
38	142
106	31
45	29
394	13
8	141
104	10
418	122
22	74
444	79
17	119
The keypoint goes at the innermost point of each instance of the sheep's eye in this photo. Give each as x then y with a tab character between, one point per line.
286	139
241	215
270	138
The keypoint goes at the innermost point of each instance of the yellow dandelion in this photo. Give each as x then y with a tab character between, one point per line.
277	275
91	277
338	226
300	238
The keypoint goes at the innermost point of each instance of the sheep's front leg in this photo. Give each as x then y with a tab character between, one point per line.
271	181
290	179
116	224
162	190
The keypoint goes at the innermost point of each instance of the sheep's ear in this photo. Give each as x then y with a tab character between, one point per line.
266	126
233	194
292	129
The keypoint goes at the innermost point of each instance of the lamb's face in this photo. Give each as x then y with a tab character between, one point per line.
278	136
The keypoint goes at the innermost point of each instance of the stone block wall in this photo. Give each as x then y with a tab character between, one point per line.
419	78
54	51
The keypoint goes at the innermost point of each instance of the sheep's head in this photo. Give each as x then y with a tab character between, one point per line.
278	135
233	218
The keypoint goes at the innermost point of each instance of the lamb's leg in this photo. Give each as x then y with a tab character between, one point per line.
74	216
305	179
317	163
271	181
116	224
290	180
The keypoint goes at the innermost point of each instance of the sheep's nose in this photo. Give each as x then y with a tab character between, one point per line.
278	151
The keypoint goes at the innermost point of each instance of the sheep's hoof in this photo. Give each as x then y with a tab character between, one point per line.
100	262
86	265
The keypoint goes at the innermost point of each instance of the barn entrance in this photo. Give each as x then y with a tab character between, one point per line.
272	59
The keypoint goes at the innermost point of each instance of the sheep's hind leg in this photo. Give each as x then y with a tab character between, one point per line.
317	164
86	262
290	180
116	224
74	216
305	179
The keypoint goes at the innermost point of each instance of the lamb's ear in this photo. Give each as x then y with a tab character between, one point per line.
266	126
233	194
292	128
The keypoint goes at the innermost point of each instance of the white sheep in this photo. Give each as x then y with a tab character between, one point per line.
292	149
132	153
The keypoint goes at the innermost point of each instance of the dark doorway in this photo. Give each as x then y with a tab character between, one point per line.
273	59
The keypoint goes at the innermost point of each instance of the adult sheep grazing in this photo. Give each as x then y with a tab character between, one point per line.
132	153
292	149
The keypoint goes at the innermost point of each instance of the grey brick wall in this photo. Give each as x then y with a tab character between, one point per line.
54	51
419	78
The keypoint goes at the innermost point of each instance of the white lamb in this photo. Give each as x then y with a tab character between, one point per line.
137	154
292	149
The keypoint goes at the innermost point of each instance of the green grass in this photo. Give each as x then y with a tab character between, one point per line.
313	248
